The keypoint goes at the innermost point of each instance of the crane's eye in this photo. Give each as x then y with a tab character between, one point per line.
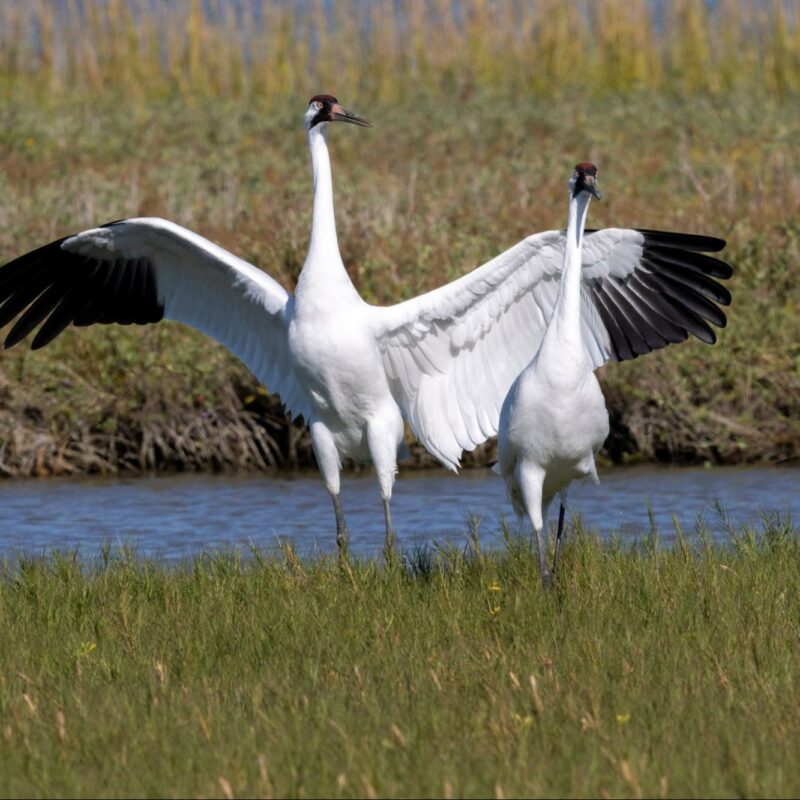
318	105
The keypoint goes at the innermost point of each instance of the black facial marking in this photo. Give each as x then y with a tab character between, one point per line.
324	113
582	171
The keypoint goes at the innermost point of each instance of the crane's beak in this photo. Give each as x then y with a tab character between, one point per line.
590	184
341	114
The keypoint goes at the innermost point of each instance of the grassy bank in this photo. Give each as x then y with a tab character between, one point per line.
648	672
412	196
192	111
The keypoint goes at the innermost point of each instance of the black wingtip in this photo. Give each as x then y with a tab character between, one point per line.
695	242
12	340
683	241
63	288
723	270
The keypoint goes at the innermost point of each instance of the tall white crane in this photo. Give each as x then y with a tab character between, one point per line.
554	418
443	361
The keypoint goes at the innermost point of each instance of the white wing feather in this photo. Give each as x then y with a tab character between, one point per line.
452	354
205	286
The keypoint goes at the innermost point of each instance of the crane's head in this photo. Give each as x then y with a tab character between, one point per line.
324	108
584	179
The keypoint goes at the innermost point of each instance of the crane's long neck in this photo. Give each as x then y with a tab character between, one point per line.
566	323
324	244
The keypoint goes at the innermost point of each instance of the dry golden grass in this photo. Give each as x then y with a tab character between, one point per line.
271	50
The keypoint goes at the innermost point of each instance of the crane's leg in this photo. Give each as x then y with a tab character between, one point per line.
330	466
560	533
541	546
530	480
389	546
383	437
342	534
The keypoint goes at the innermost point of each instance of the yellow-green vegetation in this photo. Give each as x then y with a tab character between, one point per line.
269	49
692	120
646	672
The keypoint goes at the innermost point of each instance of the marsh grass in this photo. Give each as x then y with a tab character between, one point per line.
412	196
478	118
649	671
267	50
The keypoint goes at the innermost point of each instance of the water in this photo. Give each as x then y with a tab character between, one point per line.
178	516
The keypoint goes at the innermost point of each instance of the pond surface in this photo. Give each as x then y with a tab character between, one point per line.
173	517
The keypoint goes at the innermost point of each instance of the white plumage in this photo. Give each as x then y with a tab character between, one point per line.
442	361
554	419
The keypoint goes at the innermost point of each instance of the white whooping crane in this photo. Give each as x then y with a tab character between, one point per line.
443	361
554	418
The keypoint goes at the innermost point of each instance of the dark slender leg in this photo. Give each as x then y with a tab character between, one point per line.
558	536
342	535
389	551
542	551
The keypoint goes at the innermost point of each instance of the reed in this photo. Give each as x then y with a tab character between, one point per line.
266	51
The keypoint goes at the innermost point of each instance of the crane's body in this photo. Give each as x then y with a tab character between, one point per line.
353	413
442	361
568	432
554	418
334	354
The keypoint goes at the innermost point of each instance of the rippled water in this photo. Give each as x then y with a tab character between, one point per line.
177	516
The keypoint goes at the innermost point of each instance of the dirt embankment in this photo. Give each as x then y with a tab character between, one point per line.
257	435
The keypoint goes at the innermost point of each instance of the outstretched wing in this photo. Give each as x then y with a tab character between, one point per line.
139	271
452	354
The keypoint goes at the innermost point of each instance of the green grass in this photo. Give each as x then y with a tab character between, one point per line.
648	672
